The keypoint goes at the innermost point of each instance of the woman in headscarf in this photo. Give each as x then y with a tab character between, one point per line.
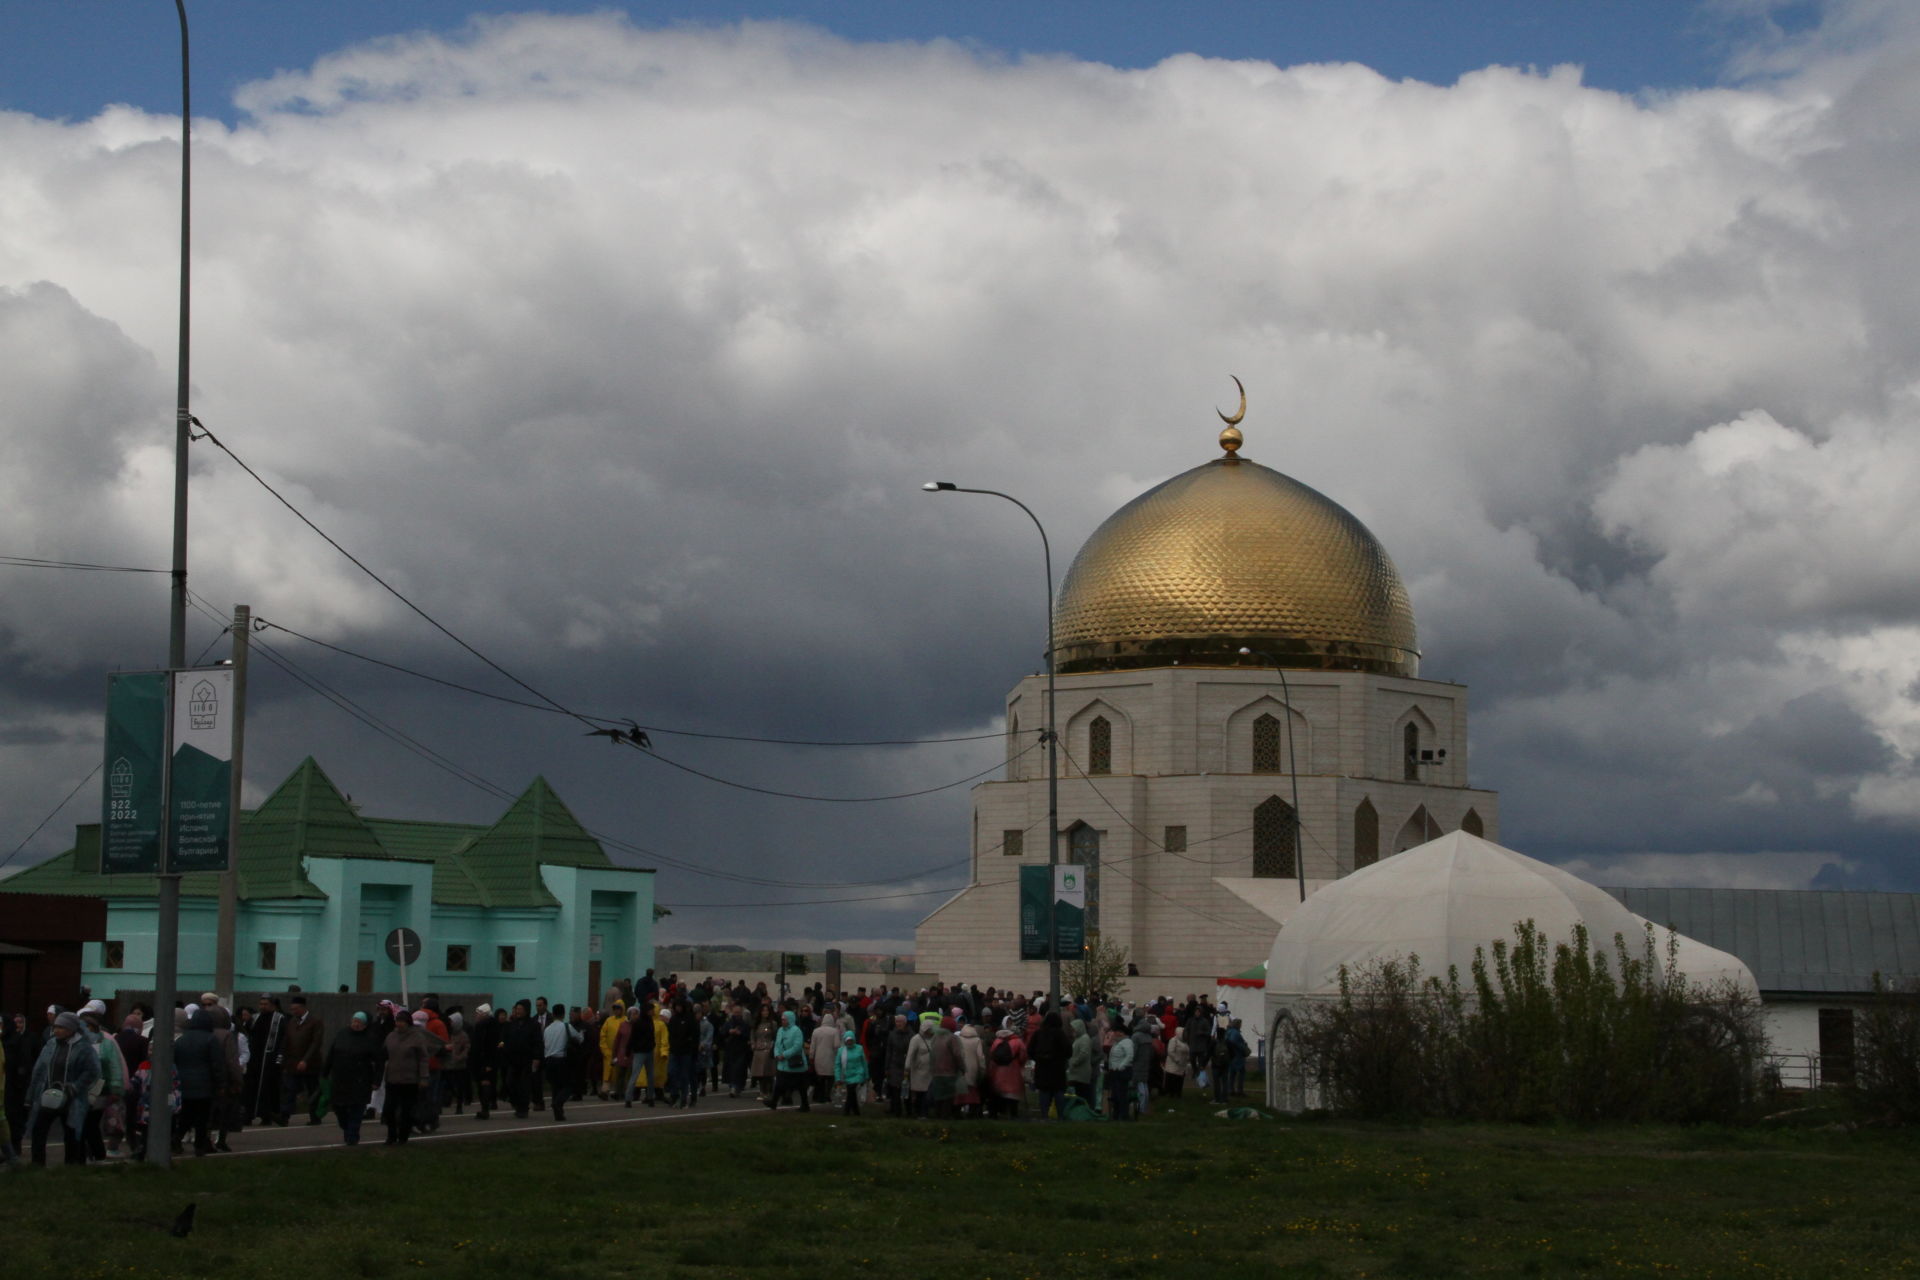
823	1045
1080	1062
132	1043
1173	1080
657	1064
761	1068
63	1077
850	1070
1005	1085
950	1070
790	1063
104	1110
353	1067
457	1076
625	1041
919	1065
229	1110
408	1049
896	1038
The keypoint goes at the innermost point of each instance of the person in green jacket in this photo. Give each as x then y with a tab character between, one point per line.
113	1077
850	1069
790	1063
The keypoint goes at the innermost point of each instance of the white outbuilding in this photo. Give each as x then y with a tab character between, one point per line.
1443	901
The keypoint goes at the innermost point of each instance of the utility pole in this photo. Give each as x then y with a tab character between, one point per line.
166	951
223	980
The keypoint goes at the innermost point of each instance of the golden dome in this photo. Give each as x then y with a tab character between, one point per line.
1228	555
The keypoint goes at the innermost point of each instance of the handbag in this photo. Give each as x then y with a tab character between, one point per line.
53	1097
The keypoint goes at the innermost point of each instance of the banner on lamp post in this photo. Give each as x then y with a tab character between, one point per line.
1069	910
1035	884
136	766
199	789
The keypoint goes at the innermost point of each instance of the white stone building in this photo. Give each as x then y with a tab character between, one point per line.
1183	752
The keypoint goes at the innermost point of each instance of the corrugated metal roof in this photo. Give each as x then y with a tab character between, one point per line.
1807	940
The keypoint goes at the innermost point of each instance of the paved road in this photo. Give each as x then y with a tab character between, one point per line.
299	1136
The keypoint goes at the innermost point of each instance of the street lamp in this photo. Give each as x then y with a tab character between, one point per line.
1293	771
1053	739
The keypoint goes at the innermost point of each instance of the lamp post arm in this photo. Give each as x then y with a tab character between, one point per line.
1053	748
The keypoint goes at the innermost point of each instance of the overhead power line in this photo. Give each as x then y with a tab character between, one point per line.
391	590
498	792
34	562
39	826
545	701
797	795
664	730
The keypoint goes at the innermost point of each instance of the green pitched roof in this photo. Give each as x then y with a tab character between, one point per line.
62	874
307	816
439	843
539	828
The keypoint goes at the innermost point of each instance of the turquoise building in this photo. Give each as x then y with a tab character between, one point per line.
529	906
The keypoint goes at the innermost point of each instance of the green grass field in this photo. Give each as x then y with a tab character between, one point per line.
1179	1195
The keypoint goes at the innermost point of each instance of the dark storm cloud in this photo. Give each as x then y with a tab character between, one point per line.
624	354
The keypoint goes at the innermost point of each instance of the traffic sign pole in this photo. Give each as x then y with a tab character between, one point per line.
403	947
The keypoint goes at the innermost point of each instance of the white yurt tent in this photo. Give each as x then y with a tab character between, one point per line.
1442	901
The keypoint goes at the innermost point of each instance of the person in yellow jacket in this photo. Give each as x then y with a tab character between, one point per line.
658	1078
610	1032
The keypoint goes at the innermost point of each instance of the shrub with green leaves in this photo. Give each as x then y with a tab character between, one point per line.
1886	1055
1540	1032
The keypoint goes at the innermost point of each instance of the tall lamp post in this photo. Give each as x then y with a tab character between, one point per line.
1053	739
166	957
1293	771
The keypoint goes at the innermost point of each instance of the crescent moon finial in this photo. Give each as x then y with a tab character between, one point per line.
1230	439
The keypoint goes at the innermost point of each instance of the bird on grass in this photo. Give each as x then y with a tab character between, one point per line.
183	1225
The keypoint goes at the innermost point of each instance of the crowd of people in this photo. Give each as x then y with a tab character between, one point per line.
940	1051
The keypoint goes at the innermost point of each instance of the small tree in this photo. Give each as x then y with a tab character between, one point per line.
1886	1056
1101	970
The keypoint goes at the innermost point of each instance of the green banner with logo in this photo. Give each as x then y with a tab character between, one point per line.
1036	883
200	788
1070	909
136	767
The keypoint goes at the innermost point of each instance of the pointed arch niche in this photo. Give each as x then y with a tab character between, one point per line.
1413	733
1366	834
1256	738
1472	825
1274	838
1417	830
1100	741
